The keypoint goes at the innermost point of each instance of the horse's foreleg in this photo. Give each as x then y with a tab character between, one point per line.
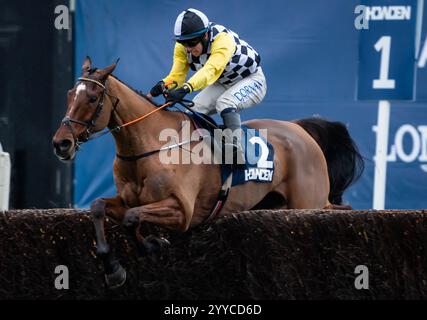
115	275
168	213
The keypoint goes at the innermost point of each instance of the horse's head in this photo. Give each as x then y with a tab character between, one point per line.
87	111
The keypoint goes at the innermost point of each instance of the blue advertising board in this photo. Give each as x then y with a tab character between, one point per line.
309	54
387	50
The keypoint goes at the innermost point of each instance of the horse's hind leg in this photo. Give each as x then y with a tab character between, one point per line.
331	206
307	190
115	275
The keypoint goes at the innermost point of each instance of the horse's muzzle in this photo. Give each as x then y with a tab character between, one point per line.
64	149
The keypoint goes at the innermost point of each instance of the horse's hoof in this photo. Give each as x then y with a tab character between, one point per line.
159	242
154	244
131	219
116	279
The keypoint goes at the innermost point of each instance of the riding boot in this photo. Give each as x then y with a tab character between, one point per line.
231	119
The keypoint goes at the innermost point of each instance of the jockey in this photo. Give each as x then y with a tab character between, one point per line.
227	71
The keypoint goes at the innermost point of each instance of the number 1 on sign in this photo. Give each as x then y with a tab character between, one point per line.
383	45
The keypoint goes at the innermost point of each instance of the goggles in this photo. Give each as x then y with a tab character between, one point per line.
190	43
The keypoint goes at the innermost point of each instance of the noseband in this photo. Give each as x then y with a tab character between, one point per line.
86	135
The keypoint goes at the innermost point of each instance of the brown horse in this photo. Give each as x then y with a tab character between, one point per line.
181	196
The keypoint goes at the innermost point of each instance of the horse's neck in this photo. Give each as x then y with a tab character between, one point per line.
138	137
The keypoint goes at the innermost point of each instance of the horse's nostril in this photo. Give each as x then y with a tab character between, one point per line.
63	145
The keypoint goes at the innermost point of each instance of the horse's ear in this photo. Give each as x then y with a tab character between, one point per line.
87	65
104	73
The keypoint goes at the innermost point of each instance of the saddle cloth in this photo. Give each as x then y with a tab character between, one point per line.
259	153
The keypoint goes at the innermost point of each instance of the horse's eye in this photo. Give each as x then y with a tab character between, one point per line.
92	99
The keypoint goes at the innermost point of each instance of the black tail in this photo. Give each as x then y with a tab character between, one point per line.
345	163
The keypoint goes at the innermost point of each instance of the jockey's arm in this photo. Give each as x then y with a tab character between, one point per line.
222	49
180	66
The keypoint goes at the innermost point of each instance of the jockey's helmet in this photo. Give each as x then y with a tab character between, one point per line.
190	24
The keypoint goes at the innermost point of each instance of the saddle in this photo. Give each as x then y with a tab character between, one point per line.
218	147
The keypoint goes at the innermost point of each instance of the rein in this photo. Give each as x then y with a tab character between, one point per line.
117	128
91	123
187	104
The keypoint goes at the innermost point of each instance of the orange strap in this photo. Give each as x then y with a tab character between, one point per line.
155	110
146	115
174	83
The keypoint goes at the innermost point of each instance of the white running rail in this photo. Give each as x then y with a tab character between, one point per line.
4	179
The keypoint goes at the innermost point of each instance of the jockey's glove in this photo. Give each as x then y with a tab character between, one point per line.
158	89
178	94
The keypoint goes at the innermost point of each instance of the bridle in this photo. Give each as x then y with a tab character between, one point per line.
87	134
